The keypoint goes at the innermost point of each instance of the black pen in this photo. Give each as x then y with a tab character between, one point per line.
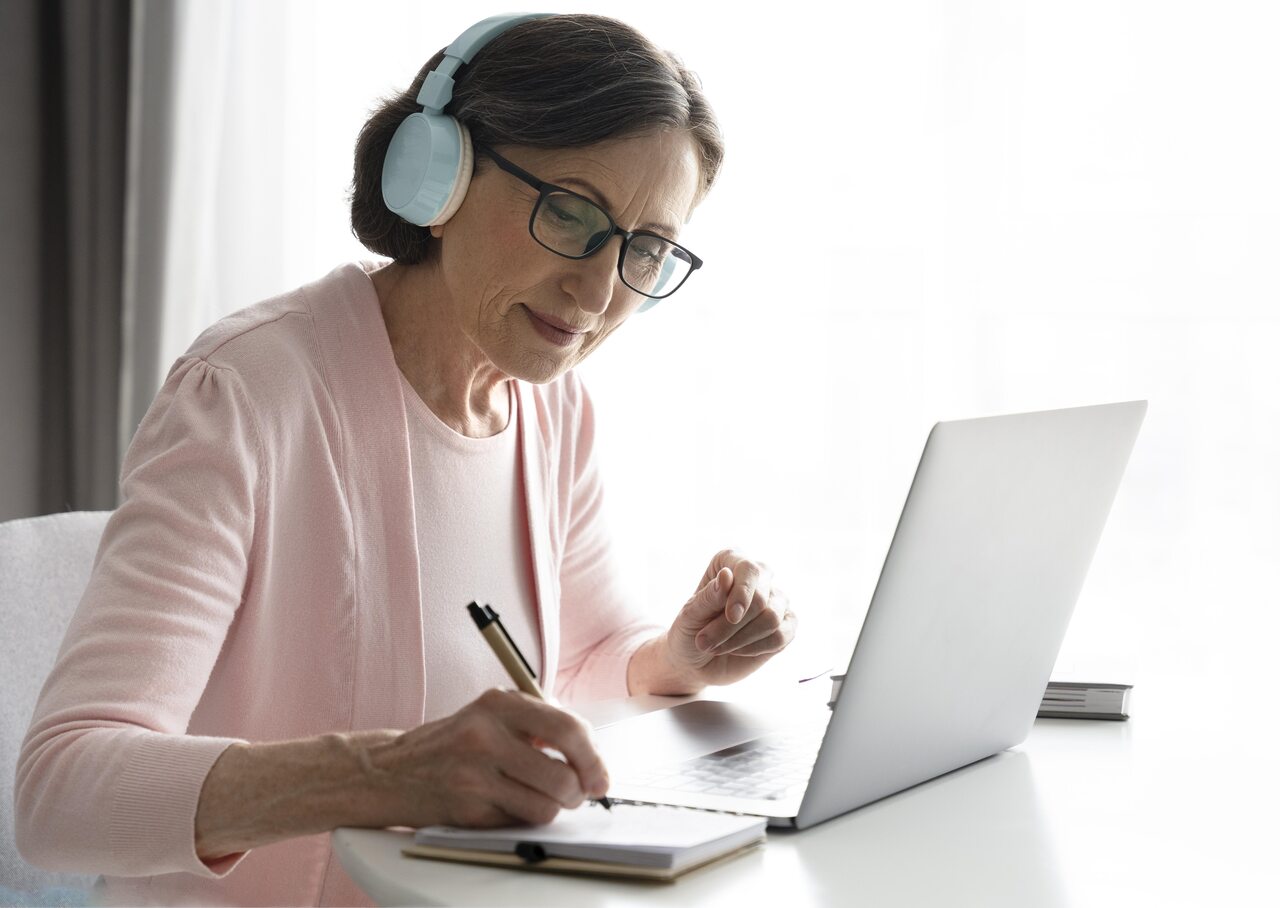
512	659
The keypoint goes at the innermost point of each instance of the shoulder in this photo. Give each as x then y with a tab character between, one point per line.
295	361
282	330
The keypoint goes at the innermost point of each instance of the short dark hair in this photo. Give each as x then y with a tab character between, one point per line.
558	82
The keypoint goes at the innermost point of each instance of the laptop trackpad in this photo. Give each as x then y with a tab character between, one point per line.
680	733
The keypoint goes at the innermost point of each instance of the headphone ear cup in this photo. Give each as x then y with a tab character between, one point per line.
462	177
423	175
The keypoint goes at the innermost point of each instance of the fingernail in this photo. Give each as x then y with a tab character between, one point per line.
715	585
736	613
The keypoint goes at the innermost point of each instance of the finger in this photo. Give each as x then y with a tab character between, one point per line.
760	621
707	603
767	646
753	584
523	804
725	558
718	631
545	774
771	632
479	794
536	720
752	581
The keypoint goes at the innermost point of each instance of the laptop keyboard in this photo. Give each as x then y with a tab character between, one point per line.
774	767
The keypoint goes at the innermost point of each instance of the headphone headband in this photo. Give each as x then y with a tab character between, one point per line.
437	90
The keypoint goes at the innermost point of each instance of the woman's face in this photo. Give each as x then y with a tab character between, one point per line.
508	293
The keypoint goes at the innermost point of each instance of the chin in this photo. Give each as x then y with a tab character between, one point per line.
539	368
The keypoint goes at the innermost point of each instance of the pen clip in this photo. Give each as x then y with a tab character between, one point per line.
489	612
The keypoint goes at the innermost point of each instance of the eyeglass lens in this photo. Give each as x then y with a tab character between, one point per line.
573	226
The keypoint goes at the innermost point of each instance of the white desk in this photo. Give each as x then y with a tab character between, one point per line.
1082	813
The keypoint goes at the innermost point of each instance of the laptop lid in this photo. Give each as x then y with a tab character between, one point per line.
989	556
985	567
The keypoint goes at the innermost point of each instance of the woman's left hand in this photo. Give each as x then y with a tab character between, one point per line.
736	621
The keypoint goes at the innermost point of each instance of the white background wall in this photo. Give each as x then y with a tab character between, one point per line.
929	210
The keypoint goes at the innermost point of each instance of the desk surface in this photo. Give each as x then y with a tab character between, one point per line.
1081	813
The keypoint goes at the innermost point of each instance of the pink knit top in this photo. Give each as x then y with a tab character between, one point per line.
261	581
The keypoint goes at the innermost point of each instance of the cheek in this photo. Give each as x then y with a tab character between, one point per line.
503	260
504	277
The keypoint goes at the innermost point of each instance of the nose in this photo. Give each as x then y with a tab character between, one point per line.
593	281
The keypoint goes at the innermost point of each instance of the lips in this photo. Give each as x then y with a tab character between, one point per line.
556	323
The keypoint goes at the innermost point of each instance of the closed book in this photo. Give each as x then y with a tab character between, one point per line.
1085	700
1065	699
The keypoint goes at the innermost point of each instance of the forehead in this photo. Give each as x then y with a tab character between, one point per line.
647	182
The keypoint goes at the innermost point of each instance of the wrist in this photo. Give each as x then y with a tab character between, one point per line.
652	670
375	789
256	794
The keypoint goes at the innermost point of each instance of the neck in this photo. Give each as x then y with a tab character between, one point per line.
437	356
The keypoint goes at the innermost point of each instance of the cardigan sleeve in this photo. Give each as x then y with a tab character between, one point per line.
108	780
601	623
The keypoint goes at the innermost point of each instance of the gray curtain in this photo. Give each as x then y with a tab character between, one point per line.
153	63
64	104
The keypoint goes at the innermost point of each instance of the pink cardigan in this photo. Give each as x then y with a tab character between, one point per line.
260	581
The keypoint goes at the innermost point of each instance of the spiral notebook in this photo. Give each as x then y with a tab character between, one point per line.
641	841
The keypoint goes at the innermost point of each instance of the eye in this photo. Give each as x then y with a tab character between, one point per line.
561	216
649	250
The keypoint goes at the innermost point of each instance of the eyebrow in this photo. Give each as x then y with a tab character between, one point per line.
665	229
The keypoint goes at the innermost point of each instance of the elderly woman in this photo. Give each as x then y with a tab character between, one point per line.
274	641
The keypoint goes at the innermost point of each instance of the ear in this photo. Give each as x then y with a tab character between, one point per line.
437	230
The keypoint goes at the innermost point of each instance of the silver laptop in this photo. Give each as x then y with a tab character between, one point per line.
990	554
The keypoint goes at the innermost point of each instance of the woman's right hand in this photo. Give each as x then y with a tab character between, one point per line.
484	765
481	766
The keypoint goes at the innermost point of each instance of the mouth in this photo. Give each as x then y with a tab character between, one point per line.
556	323
553	329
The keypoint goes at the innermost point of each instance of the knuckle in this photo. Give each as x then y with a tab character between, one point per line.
571	728
581	727
472	736
468	779
566	788
492	699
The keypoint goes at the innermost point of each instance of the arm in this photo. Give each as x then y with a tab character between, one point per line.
107	778
734	623
481	766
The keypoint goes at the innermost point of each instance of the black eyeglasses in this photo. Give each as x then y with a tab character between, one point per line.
575	227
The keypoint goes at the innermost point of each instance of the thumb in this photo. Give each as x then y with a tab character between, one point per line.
707	603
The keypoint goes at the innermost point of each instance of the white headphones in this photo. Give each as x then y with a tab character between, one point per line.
428	166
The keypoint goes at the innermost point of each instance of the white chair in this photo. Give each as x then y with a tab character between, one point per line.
44	567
